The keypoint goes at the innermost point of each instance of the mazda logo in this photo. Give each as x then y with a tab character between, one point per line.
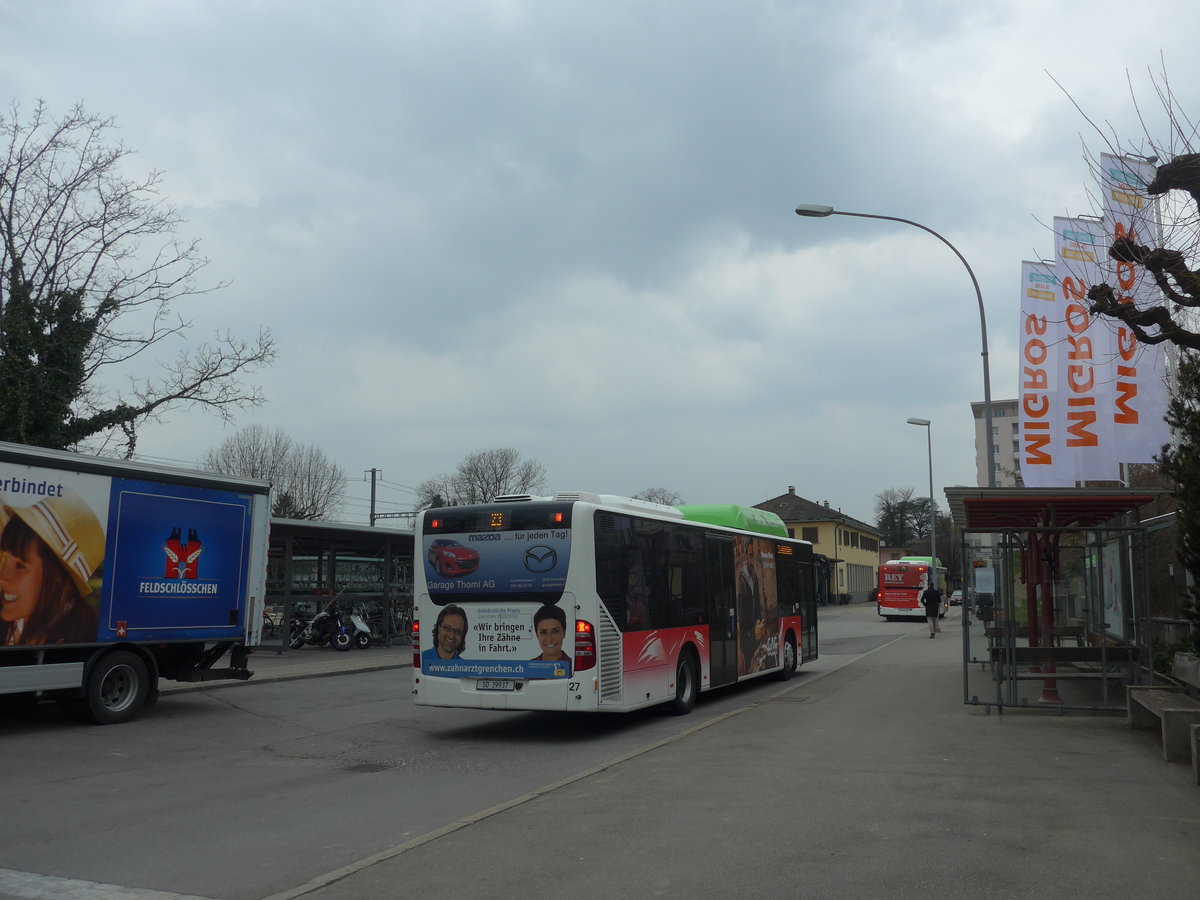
541	558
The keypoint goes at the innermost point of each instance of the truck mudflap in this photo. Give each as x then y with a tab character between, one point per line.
203	669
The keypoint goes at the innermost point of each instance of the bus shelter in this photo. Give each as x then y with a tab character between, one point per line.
1055	613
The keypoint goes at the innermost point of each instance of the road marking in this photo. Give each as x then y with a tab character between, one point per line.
31	886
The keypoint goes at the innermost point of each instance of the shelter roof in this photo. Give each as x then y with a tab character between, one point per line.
323	529
1032	509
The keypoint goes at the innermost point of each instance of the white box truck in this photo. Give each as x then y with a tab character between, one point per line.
115	574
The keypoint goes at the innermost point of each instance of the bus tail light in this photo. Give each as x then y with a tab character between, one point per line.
585	646
416	643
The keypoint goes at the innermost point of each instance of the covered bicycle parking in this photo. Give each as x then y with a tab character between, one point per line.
311	564
1057	616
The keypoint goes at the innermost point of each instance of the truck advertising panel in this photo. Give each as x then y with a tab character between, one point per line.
87	558
52	550
178	562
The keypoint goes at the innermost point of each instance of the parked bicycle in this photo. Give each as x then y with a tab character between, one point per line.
392	622
402	623
270	625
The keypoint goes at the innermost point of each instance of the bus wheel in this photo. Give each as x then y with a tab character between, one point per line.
116	688
789	660
686	685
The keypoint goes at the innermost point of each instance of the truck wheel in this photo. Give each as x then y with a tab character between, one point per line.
686	686
117	688
342	641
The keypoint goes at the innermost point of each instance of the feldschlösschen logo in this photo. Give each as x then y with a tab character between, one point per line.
541	558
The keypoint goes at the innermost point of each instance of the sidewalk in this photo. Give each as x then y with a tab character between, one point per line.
871	780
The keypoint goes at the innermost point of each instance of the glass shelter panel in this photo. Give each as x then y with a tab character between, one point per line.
1063	651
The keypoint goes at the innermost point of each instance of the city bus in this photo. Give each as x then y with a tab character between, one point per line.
597	603
903	581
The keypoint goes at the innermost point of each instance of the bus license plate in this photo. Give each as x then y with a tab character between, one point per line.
495	684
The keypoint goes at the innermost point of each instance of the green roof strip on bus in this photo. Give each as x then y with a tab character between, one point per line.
920	559
731	515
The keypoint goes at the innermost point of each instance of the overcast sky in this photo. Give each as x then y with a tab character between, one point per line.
568	227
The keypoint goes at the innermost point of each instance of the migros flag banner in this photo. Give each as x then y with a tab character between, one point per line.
1066	435
1086	390
1138	370
1041	443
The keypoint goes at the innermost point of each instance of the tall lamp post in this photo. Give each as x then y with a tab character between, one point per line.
927	425
821	212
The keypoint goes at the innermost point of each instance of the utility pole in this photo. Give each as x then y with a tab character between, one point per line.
374	473
375	517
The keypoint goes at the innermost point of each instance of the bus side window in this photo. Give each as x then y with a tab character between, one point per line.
616	572
788	579
637	610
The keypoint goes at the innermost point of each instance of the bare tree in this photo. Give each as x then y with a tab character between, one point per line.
437	491
900	517
91	272
1169	261
483	475
947	543
305	483
659	495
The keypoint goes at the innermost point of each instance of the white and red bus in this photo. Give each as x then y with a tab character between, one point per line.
902	583
594	603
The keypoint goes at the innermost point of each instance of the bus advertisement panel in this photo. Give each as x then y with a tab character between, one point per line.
509	568
593	603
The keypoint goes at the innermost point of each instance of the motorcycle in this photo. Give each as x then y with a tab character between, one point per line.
325	628
360	632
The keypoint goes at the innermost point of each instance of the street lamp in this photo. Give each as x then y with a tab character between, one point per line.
820	212
927	425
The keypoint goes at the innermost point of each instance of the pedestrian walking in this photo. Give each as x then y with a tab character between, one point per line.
932	600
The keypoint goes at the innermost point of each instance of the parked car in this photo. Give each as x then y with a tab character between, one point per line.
956	599
450	558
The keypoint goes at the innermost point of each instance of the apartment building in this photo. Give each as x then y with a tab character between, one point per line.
1005	439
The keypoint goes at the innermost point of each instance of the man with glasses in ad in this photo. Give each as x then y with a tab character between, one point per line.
449	636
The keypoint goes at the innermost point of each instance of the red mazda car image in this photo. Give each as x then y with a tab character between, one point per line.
450	558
